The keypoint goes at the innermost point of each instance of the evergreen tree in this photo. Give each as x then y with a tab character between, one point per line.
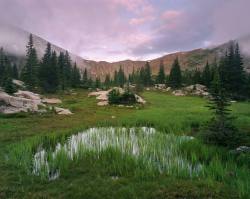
197	79
142	76
148	78
107	81
53	74
6	71
29	73
220	130
61	71
44	70
161	77
85	77
2	66
76	77
206	76
9	86
67	69
116	83
97	83
232	71
175	79
121	77
15	74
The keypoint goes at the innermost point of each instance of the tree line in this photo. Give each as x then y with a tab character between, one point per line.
57	72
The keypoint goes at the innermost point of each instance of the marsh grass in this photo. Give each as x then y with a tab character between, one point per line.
137	151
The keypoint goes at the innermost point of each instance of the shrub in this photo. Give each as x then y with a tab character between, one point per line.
115	97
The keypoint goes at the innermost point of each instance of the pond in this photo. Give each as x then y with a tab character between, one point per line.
151	150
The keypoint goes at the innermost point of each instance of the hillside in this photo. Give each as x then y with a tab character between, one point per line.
14	40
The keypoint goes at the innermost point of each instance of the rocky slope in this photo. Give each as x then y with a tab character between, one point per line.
14	41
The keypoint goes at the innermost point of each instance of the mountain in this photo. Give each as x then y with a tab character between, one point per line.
14	40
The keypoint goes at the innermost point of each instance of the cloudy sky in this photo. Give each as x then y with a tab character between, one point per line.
130	29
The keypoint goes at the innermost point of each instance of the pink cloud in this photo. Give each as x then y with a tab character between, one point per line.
171	15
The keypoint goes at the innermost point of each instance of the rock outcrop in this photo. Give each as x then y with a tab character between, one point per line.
51	101
17	103
102	96
196	89
26	101
62	111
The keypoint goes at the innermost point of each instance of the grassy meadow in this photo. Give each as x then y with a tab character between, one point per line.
111	173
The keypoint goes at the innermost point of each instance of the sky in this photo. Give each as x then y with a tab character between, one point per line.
113	30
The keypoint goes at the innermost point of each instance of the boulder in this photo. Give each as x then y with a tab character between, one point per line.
160	86
19	104
27	95
243	149
240	150
178	93
18	83
51	101
102	96
62	111
102	103
168	89
139	99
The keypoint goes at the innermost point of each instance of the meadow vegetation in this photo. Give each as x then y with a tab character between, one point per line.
111	173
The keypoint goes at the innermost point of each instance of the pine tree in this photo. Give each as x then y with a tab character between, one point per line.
76	77
206	76
61	71
107	81
29	73
45	68
220	129
148	75
15	74
53	74
121	77
175	79
161	77
85	77
239	78
67	68
232	71
9	86
197	79
116	83
97	83
2	67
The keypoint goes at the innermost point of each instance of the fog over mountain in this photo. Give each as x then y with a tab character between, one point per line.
114	30
14	41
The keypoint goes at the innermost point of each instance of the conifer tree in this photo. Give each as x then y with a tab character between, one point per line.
107	81
29	73
45	69
15	74
206	76
148	75
161	77
232	71
197	79
67	68
175	79
97	82
61	71
121	77
76	77
220	129
85	77
9	86
2	67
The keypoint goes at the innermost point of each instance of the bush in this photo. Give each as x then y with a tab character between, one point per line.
115	97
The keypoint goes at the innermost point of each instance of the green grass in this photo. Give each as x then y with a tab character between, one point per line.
94	178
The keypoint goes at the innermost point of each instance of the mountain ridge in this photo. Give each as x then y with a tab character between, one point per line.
192	59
